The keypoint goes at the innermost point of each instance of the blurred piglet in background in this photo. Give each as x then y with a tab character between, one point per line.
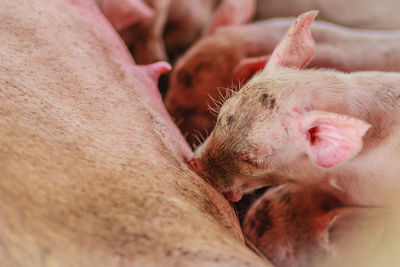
296	225
154	29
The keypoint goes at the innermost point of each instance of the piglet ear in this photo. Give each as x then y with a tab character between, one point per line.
124	13
296	49
248	67
348	230
331	138
231	12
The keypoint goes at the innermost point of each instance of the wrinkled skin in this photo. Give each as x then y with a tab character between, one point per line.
221	61
92	168
310	125
297	225
365	14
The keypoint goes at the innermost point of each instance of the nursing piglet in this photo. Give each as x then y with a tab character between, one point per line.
309	125
232	55
296	225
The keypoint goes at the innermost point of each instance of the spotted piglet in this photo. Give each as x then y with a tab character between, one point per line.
295	225
308	125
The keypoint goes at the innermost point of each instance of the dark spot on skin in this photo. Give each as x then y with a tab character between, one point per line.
264	218
202	66
285	198
185	78
267	100
272	103
229	120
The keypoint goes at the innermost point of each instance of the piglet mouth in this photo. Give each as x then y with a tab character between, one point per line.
250	184
234	196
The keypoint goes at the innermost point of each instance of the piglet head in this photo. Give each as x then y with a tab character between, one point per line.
270	131
298	225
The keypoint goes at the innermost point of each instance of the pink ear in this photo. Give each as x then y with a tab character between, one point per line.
296	49
248	67
231	12
123	13
330	138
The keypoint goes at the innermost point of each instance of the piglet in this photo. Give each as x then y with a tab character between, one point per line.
189	20
296	225
230	57
309	125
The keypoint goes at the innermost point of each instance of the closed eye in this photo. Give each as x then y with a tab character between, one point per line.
258	162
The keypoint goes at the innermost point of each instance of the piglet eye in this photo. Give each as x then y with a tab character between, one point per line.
255	160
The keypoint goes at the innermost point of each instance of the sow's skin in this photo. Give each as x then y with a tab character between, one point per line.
229	57
91	166
309	125
296	225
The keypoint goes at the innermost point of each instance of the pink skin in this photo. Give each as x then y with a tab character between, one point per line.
309	125
300	225
92	171
148	75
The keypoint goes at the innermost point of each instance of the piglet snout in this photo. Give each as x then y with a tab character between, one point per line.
196	166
